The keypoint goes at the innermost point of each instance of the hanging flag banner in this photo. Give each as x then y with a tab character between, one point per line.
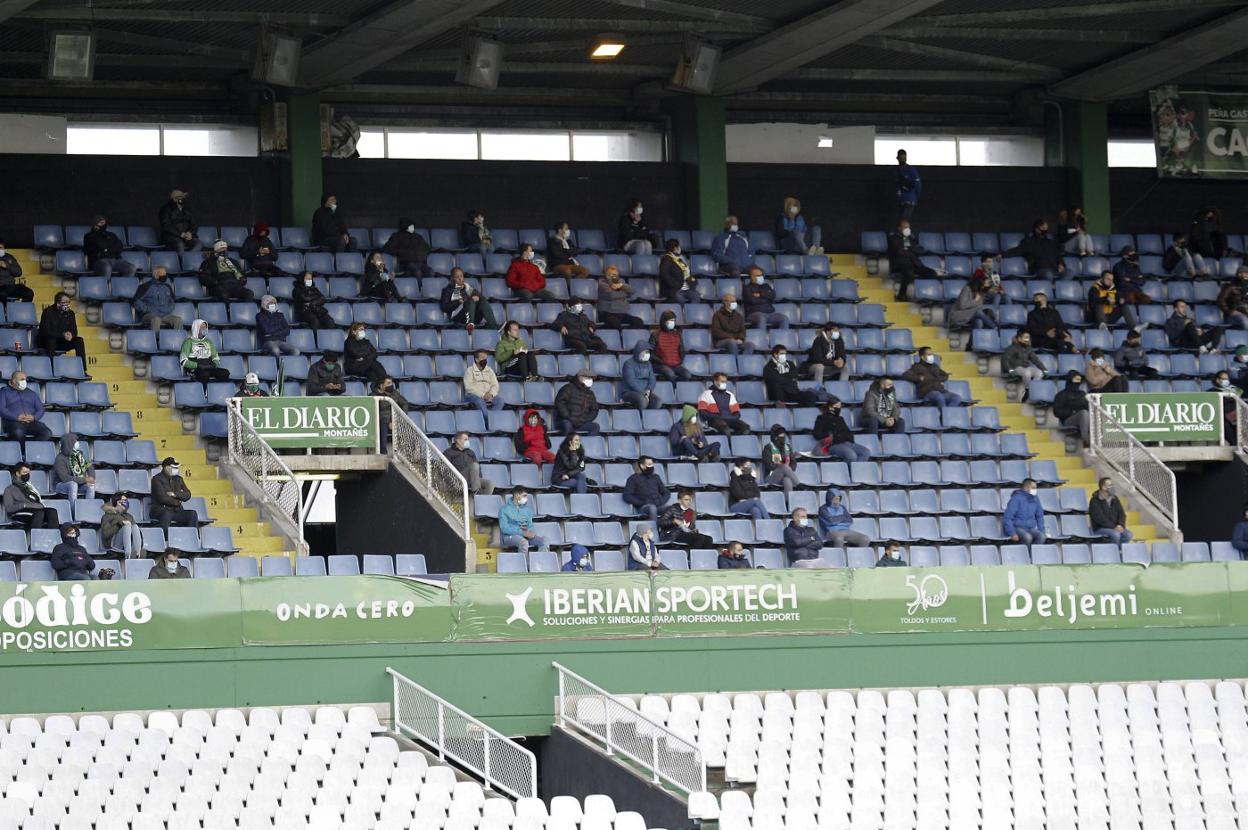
1200	132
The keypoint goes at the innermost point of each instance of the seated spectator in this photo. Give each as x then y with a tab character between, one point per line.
632	235
667	349
613	294
464	459
119	530
987	281
387	389
569	470
378	281
177	225
1183	333
481	384
792	233
1233	300
968	311
1106	306
1128	278
1106	514
525	278
1101	374
644	491
463	304
103	250
515	524
309	304
561	254
329	229
1132	360
732	557
643	554
728	327
58	329
1206	237
199	357
1070	405
744	495
512	354
360	355
532	441
273	329
880	410
677	284
929	380
70	559
11	279
250	387
21	411
576	407
1179	261
760	297
1047	328
1042	252
1230	411
221	278
1072	232
251	245
834	436
779	461
836	522
579	561
474	236
637	381
153	301
688	441
168	566
1240	365
1020	362
780	380
1239	536
169	497
1023	520
731	249
264	263
72	473
325	376
679	523
22	502
719	407
893	557
802	543
409	249
579	332
903	259
827	355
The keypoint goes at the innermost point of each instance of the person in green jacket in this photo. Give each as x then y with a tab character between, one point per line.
512	354
199	355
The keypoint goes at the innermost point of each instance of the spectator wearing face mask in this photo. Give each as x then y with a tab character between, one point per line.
409	249
250	387
1230	412
199	357
119	532
637	380
1106	515
169	566
1239	364
793	235
834	436
1131	359
719	408
632	235
70	559
904	261
836	522
515	524
733	557
329	229
464	458
169	494
569	470
378	280
728	327
1101	374
667	349
579	333
731	249
677	284
679	523
389	392
474	236
968	311
481	385
987	281
576	407
688	441
1206	235
21	411
525	278
561	254
929	380
1106	305
644	491
221	277
880	410
1020	362
1183	333
643	554
325	376
779	461
153	301
801	542
827	355
273	329
309	304
1023	520
1042	252
892	558
512	354
1047	328
1180	261
1129	279
464	305
612	308
760	297
103	250
177	225
532	441
251	245
11	287
1233	300
1070	405
1072	232
58	329
744	494
22	502
780	380
72	473
579	561
360	355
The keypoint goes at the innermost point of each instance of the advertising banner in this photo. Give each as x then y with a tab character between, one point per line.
1200	133
1169	417
551	606
303	423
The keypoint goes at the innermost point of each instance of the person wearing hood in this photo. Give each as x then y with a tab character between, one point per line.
1023	520
719	408
576	407
579	561
643	554
10	274
168	566
154	300
525	279
1041	250
378	280
644	491
731	249
677	283
250	387
512	354
481	386
103	250
1101	374
744	495
834	436
70	559
251	245
1233	300
464	459
733	557
273	329
929	380
728	327
1070	405
177	225
329	229
688	440
72	473
568	472
463	304
169	494
409	249
667	347
58	329
760	298
793	235
199	357
893	557
221	277
309	304
1132	359
779	460
678	524
119	531
1183	333
1181	262
474	236
21	411
780	380
360	355
1106	515
578	331
613	308
904	261
637	381
325	375
1047	328
880	410
836	522
632	235
1239	536
531	440
1230	411
23	503
801	542
515	523
561	254
827	355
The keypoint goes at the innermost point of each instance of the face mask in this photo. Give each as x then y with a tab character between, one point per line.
2	252
308	283
638	210
780	358
647	469
693	422
528	255
1030	491
905	231
271	307
532	422
803	522
835	335
721	386
24	477
669	325
894	554
411	229
359	335
252	387
588	382
1243	358
1224	383
732	228
732	306
836	410
77	444
1099	361
21	384
171	567
71	536
931	358
644	357
576	309
793	210
173	471
758	280
522	501
481	364
333	208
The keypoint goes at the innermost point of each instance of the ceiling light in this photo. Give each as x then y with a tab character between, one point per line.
825	142
71	55
606	47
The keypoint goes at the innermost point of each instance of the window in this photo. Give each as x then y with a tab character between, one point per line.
113	141
511	145
616	146
527	146
157	139
1132	154
967	151
921	152
210	141
372	144
439	144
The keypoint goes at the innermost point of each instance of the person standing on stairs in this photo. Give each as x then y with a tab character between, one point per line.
58	329
169	494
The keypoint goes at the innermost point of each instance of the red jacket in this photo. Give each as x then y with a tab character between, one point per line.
524	275
531	436
668	347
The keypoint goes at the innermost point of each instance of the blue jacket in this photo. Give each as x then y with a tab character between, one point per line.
642	488
512	518
1023	512
154	297
801	542
643	548
909	185
787	224
1239	538
271	325
14	403
637	375
578	552
732	248
834	517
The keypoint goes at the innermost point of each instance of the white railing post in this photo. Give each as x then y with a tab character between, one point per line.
606	710
265	476
489	772
444	483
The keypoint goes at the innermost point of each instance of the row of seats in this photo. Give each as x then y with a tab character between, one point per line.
101	452
219	566
90	511
1073	291
19	314
996	341
1091	267
211	541
961	242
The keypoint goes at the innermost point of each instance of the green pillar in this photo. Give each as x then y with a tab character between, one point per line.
698	144
1077	137
303	160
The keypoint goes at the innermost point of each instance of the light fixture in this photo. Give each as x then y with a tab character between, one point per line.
277	58
825	142
479	62
695	71
71	55
606	47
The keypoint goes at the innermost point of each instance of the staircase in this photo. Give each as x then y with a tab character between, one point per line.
989	391
158	424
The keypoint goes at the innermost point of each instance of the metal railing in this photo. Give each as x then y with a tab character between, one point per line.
1241	426
1145	473
413	448
265	475
622	730
501	763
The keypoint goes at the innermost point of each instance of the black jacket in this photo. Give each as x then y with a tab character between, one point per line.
1106	513
645	488
320	376
1069	400
1039	251
10	269
175	221
901	253
578	325
1040	320
328	226
742	487
70	558
101	244
54	323
671	278
461	460
731	562
251	246
823	351
759	298
576	403
1171	257
358	353
832	426
627	231
557	255
306	298
372	285
169	491
406	247
470	233
568	462
450	303
781	386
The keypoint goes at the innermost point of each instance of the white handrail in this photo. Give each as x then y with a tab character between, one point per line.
1126	455
1241	425
269	480
410	445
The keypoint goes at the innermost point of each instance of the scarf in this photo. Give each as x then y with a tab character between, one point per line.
680	263
77	464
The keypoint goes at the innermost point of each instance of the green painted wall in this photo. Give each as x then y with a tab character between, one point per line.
303	161
698	143
1077	136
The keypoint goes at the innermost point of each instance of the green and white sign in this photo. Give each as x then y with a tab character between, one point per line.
1200	132
305	423
1169	417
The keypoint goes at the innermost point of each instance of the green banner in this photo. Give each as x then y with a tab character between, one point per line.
1200	133
551	606
303	423
732	602
1171	417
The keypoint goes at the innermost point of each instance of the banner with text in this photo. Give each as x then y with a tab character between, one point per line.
303	423
1200	133
1170	417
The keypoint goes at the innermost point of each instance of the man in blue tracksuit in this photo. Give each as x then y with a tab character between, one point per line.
515	523
909	187
836	523
637	380
1024	516
731	249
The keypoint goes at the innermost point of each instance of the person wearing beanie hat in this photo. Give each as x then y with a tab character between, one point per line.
1070	405
221	277
250	387
177	225
10	274
251	246
169	494
103	250
1101	374
272	328
329	229
576	407
70	559
688	440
